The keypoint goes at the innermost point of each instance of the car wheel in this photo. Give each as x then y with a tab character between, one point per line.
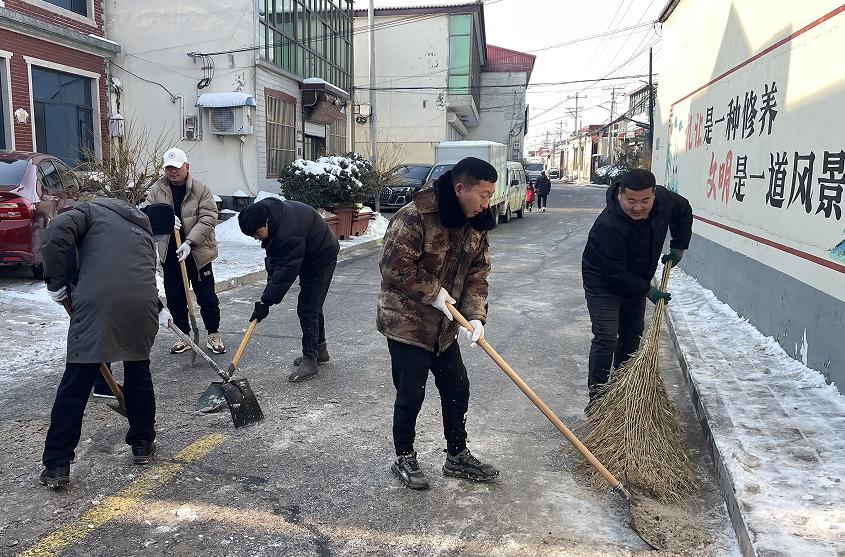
507	216
521	211
37	272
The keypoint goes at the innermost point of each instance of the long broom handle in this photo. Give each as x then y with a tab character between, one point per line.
184	270
538	402
104	370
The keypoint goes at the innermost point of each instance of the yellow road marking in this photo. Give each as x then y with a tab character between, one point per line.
119	503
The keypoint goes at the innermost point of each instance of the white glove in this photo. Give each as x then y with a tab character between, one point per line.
183	251
59	295
477	331
440	302
177	224
164	318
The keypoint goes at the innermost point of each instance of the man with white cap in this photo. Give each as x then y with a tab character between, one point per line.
196	216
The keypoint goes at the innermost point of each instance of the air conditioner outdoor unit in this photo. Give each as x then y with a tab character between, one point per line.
230	120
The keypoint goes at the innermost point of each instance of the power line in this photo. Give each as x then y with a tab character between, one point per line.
480	87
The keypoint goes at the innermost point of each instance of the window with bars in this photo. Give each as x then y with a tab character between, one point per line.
281	134
337	135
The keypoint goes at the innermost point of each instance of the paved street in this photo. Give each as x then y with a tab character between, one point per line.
313	478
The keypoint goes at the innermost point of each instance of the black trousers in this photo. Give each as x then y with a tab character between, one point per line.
541	200
313	288
410	366
203	285
72	396
617	327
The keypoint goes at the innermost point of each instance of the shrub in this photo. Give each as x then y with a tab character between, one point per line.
328	181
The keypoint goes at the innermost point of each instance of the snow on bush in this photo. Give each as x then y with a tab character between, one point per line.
607	174
330	180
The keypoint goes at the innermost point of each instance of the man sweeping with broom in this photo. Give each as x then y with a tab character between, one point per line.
619	260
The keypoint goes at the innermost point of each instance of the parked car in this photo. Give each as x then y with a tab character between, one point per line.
34	188
410	178
554	174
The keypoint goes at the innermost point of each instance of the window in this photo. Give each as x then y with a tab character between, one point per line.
337	135
281	134
63	114
460	53
78	6
50	177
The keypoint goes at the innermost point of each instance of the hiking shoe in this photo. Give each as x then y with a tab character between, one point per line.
306	369
143	452
322	355
55	478
179	347
215	343
406	468
464	465
104	391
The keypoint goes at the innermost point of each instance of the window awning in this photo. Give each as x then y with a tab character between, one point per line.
220	100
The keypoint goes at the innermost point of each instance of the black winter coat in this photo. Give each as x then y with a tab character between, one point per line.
298	239
621	253
114	299
544	186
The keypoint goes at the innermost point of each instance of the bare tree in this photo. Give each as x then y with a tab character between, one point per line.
131	167
388	161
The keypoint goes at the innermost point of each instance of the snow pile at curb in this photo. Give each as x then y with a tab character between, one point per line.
776	423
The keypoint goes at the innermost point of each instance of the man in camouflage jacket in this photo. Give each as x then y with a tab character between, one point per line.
436	252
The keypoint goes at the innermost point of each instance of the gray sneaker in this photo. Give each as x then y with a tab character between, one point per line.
406	468
306	369
322	355
464	465
215	343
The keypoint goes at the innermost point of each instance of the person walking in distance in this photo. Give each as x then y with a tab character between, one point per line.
196	216
436	251
544	186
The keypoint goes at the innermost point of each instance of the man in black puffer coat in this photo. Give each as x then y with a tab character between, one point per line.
298	242
619	260
544	187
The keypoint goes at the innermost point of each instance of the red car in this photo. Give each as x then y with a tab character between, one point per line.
33	189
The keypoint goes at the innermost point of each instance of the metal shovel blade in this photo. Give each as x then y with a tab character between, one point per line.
238	395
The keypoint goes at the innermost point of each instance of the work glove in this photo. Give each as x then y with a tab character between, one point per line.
674	255
59	295
261	311
440	302
477	331
177	224
654	294
183	251
164	318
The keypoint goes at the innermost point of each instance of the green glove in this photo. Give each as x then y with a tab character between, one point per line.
654	294
674	255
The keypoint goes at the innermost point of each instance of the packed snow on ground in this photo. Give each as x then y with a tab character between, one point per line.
783	441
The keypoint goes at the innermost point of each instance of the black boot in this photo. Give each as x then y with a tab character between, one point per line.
55	478
322	355
306	369
464	465
143	452
406	468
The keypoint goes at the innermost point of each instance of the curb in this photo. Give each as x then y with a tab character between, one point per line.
711	412
260	276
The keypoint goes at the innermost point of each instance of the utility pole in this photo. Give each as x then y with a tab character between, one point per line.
650	108
611	134
371	20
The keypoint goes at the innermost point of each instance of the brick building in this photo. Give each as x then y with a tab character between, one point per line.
53	76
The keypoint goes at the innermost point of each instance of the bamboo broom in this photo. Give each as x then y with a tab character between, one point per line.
635	431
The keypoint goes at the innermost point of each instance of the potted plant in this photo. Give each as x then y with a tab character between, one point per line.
337	183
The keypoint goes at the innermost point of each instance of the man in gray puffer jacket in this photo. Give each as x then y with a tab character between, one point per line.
115	316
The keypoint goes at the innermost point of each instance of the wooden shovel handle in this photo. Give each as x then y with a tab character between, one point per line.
184	274
244	342
104	369
664	280
585	452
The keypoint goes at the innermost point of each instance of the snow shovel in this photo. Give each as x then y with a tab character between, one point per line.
188	297
652	539
236	394
120	405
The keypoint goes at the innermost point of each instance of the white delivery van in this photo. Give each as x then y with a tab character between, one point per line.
505	200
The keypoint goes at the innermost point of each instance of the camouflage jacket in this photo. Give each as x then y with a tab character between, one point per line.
420	255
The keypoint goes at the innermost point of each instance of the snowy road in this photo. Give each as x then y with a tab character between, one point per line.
313	478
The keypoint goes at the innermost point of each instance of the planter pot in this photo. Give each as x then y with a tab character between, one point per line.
334	223
345	214
360	223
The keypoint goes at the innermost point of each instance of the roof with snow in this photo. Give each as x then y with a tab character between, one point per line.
500	59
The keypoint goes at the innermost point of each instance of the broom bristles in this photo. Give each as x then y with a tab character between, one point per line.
635	432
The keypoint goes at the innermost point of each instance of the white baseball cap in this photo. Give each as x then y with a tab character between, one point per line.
175	157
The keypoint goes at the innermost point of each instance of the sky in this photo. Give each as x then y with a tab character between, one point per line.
535	25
